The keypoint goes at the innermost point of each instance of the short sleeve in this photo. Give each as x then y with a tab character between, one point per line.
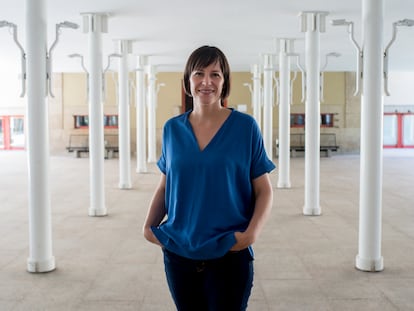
260	164
162	160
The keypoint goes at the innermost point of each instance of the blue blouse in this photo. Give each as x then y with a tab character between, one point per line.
209	193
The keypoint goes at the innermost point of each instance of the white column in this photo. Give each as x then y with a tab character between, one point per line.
370	204
312	24
268	104
140	111
95	24
124	48
256	95
151	109
41	258
285	47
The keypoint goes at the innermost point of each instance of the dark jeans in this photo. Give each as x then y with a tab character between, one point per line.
222	284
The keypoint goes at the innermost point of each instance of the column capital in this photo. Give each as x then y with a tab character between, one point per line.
123	46
151	71
95	22
268	62
285	45
255	70
142	61
313	20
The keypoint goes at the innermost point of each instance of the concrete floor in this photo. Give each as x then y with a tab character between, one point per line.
302	262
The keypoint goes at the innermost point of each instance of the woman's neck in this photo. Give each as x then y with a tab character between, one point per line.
201	111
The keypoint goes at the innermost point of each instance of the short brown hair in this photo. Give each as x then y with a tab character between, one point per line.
205	56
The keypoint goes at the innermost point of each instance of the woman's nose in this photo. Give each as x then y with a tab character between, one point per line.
206	80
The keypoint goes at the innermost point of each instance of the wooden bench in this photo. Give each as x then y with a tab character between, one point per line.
111	145
327	143
79	143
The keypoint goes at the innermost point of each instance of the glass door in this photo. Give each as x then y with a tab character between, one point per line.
17	140
398	130
12	132
390	139
408	130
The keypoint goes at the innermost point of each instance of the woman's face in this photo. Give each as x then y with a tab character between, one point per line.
207	84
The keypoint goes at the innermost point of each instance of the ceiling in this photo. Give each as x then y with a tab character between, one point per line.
168	30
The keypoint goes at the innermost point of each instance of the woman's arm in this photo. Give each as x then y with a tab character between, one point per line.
263	205
156	212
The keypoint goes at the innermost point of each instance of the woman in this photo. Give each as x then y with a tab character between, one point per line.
214	195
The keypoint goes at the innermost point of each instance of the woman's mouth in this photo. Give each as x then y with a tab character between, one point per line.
206	91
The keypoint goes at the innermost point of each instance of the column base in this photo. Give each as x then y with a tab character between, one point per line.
98	212
141	170
283	184
43	266
125	186
315	211
370	265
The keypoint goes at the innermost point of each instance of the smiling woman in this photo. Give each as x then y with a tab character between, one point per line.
214	192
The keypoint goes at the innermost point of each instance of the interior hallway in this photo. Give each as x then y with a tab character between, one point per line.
302	262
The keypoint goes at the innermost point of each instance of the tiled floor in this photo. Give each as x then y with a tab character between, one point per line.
302	262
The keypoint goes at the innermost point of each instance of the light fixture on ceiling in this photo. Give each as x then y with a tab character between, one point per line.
77	55
322	72
360	55
297	56
400	23
22	53
105	70
58	26
405	22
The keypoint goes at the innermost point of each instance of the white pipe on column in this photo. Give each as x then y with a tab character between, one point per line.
40	258
151	106
370	204
140	110
95	24
284	113
256	95
312	23
268	104
124	48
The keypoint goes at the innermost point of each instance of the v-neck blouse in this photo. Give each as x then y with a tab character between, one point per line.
209	193
213	137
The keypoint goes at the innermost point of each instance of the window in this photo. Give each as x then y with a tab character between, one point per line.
111	121
327	119
12	132
82	121
298	120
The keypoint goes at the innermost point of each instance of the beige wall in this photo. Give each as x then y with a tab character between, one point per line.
240	94
72	100
169	96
